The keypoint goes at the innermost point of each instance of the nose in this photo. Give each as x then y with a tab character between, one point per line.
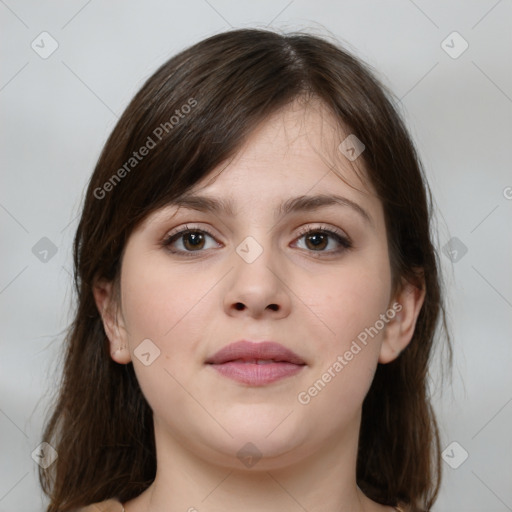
258	288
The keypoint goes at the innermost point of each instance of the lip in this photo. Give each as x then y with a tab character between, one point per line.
239	361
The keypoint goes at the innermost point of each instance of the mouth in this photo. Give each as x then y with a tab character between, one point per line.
256	364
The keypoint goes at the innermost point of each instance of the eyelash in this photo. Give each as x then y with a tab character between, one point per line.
341	238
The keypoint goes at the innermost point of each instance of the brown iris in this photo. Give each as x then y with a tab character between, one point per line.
193	240
318	240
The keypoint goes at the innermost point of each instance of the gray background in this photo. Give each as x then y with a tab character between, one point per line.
58	111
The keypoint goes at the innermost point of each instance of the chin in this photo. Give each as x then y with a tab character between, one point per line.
256	455
263	439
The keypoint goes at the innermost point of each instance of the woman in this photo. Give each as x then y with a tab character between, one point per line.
258	295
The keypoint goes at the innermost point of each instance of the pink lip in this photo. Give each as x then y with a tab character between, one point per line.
238	361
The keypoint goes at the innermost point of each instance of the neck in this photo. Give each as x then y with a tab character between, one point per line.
322	481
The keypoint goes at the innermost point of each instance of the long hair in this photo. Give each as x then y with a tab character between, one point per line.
191	115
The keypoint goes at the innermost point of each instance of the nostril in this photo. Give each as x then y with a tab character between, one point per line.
239	306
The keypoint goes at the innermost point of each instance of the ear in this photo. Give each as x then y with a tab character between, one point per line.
407	305
113	323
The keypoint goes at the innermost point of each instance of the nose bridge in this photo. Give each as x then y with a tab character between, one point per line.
253	247
257	260
256	236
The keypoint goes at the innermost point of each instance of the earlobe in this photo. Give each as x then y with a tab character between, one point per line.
399	331
112	321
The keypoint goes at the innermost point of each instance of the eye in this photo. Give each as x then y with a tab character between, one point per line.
318	239
194	240
191	240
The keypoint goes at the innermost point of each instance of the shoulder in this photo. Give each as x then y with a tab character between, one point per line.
105	506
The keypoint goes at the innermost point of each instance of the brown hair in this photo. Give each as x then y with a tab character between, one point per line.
197	109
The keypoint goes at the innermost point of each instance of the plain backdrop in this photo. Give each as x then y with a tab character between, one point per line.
455	92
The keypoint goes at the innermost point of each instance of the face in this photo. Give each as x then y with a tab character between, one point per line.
315	280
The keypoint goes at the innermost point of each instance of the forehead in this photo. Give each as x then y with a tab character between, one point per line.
304	130
292	160
297	148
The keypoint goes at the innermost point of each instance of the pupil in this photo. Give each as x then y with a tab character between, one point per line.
320	239
194	239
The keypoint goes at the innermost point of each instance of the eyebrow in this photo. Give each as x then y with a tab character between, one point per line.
293	205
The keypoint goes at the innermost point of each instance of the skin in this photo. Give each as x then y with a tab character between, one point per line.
321	302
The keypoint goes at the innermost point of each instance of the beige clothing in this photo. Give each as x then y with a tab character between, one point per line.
116	506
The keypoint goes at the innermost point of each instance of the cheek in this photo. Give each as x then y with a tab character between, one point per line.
352	300
351	310
162	305
156	298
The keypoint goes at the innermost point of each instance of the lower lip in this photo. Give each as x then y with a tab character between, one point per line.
257	374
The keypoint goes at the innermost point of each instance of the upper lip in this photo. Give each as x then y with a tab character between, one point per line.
248	350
